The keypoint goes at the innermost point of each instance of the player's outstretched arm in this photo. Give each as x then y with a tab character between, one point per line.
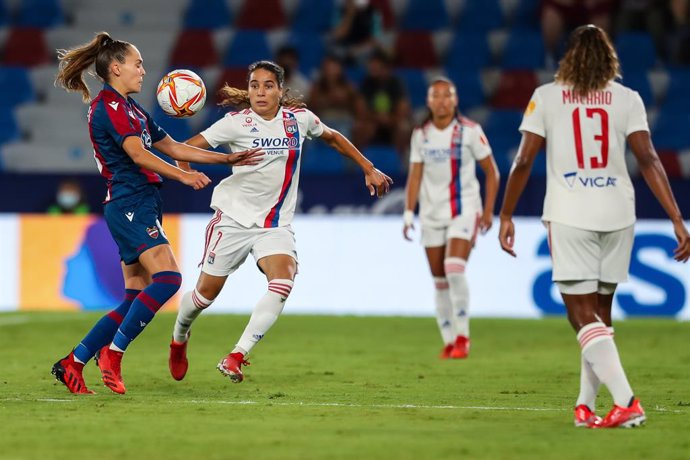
147	160
657	180
194	151
377	182
519	173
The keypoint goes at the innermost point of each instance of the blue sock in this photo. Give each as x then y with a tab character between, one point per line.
102	333
145	306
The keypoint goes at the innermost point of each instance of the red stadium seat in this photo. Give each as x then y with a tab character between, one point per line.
253	15
415	49
235	77
671	162
514	89
194	48
26	47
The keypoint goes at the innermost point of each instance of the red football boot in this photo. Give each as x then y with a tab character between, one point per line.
461	349
626	417
69	372
110	362
584	417
445	353
231	365
177	361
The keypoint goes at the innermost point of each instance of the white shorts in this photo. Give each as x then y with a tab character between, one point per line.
462	227
228	244
579	254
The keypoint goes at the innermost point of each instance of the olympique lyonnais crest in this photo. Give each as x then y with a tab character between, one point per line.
153	232
290	125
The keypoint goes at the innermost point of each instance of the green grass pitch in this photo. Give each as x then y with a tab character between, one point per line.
339	388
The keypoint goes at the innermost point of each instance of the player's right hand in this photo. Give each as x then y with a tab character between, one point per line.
195	179
506	236
246	157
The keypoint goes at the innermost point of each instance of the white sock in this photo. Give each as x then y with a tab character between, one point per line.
191	306
459	294
589	383
444	310
265	313
600	352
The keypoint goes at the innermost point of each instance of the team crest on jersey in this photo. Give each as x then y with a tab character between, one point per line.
290	125
153	232
248	122
146	138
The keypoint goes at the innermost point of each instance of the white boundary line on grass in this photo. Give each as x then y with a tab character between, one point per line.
343	405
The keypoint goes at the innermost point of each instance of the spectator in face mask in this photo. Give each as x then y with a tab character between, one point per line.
69	199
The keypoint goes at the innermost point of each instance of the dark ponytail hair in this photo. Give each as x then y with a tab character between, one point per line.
239	98
101	51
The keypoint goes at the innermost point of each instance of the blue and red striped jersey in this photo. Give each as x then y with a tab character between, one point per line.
112	118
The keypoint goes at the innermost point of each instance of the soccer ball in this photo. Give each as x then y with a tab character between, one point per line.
181	93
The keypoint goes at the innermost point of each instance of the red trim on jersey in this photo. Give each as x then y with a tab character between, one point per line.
290	168
477	220
209	231
467	122
455	186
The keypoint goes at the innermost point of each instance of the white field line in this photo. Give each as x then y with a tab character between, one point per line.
12	320
344	405
23	319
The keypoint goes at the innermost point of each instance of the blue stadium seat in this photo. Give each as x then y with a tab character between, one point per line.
40	13
384	158
314	16
9	130
15	87
311	50
671	129
501	129
355	75
4	14
677	95
247	46
207	14
523	50
318	158
481	16
415	84
468	51
635	51
469	86
428	15
640	83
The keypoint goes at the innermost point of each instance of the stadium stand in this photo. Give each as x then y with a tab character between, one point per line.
492	49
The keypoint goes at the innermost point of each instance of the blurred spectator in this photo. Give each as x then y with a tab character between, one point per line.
650	16
288	58
69	199
680	40
560	17
388	107
335	98
356	33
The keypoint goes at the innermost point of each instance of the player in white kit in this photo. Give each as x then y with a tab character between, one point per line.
585	117
255	205
444	151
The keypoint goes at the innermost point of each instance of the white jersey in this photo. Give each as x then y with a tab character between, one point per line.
587	180
449	183
263	194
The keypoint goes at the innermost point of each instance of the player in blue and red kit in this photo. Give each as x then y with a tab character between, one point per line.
122	133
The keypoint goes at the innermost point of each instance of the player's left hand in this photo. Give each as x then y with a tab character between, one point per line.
486	222
506	236
377	182
246	157
682	252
